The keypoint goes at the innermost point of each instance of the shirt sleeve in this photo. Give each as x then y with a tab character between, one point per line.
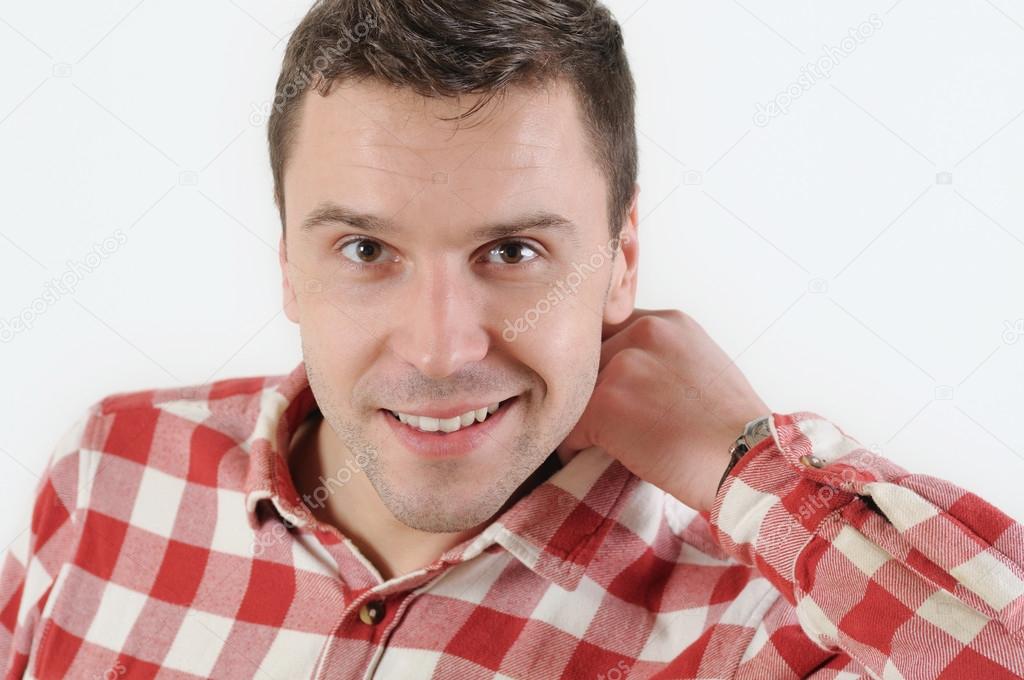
892	574
46	540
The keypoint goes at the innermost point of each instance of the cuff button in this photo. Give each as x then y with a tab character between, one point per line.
812	461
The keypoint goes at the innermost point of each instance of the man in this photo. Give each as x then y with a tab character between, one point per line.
489	464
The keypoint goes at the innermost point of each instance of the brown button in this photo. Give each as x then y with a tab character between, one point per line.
812	461
371	612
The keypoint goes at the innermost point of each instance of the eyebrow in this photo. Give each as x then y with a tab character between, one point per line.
327	213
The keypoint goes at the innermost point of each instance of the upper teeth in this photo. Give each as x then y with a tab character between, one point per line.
428	424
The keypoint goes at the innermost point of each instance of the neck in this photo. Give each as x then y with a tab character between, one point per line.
358	513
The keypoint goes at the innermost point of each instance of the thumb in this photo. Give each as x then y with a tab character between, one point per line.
579	438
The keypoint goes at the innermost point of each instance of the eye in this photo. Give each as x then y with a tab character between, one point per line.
512	252
366	251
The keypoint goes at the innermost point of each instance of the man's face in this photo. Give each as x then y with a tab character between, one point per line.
433	307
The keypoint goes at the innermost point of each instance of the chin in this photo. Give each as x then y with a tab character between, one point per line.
428	514
446	500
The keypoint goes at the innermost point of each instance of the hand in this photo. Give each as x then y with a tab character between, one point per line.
668	404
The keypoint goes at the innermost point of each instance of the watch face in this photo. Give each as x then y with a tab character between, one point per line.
758	430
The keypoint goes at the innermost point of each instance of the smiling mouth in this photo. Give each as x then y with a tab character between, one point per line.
449	425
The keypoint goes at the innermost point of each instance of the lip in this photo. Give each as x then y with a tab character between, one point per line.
442	412
453	445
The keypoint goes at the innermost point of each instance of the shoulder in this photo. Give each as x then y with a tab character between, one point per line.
196	433
228	407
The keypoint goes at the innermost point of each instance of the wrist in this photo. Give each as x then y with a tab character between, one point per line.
753	433
699	482
699	488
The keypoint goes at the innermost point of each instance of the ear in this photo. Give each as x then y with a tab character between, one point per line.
291	305
621	297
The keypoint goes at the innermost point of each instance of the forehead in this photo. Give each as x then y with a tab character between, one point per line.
385	149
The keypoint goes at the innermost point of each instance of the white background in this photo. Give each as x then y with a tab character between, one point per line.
825	250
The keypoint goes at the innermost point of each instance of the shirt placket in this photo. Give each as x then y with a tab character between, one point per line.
370	616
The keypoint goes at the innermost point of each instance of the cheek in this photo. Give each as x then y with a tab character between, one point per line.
342	312
333	342
564	352
565	308
562	345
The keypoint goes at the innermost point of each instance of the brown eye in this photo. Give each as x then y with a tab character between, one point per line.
366	250
513	252
363	251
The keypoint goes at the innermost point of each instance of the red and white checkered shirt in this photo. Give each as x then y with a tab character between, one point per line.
168	541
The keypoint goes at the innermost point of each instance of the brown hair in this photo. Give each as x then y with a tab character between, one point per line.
448	48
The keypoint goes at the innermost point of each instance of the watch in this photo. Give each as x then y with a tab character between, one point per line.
754	432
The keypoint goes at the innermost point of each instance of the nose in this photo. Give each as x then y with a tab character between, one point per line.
439	326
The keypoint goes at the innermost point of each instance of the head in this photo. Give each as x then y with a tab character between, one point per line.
457	188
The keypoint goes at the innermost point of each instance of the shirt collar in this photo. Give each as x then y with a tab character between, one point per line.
555	530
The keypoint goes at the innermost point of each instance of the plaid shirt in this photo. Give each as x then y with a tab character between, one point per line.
168	541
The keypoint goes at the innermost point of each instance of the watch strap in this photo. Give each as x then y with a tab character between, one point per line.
754	432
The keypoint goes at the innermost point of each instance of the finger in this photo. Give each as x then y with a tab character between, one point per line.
582	435
574	442
612	346
616	337
565	454
610	329
621	340
623	336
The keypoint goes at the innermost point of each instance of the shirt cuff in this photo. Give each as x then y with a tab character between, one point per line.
774	499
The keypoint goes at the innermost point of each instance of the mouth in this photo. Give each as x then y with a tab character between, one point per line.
459	435
468	419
